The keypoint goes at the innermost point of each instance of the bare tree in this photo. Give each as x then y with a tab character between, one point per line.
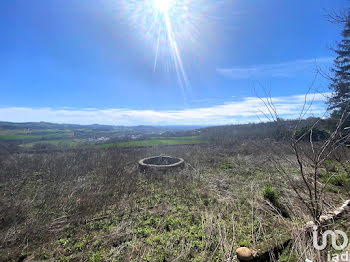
310	157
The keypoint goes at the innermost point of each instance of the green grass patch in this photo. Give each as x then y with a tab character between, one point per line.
14	137
336	175
155	142
270	193
19	137
59	144
336	179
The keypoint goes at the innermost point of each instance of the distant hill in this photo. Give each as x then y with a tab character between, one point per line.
47	125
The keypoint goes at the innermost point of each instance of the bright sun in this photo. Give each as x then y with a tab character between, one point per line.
162	6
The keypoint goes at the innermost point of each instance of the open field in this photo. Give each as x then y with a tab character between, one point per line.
156	142
31	136
81	143
47	136
95	205
59	144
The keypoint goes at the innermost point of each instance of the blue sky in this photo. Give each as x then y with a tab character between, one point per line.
73	61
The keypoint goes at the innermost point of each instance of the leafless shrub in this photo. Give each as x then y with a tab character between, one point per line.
310	157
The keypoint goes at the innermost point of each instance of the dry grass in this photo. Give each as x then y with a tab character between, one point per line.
94	205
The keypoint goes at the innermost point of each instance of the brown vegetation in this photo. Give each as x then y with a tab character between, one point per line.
95	205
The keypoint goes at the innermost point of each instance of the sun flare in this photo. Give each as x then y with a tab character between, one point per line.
162	6
172	29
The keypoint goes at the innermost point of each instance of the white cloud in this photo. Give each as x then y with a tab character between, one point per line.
287	69
246	110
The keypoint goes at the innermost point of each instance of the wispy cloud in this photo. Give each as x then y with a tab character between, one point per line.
249	109
286	69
